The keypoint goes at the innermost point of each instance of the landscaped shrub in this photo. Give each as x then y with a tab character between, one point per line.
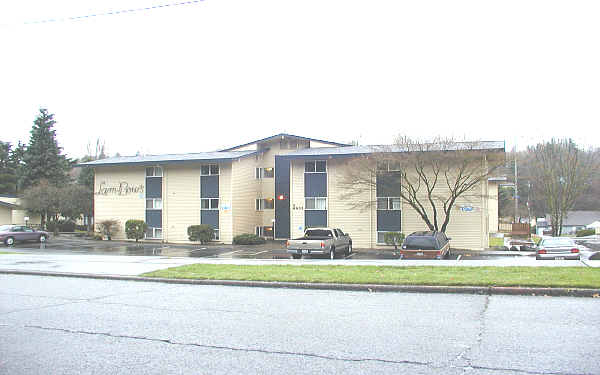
585	232
60	226
248	239
109	227
203	233
135	229
393	238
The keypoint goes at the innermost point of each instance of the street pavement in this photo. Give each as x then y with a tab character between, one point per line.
56	325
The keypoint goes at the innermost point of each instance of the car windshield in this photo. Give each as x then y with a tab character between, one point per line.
556	242
426	243
5	228
318	233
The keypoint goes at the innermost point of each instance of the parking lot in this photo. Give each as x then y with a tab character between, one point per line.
70	244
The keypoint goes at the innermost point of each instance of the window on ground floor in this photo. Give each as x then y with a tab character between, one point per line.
154	233
265	204
266	232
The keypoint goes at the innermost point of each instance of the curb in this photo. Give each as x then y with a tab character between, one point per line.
491	290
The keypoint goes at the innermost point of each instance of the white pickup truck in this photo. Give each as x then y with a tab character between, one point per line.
320	241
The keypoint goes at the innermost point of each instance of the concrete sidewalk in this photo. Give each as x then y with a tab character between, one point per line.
136	265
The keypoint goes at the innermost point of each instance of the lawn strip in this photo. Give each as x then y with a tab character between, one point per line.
563	277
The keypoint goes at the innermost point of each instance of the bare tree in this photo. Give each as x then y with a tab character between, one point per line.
563	173
432	175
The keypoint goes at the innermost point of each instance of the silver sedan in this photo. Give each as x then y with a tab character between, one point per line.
557	248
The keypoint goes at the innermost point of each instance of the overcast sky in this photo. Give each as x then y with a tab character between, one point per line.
217	73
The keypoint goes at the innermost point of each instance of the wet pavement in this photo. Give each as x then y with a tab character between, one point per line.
70	254
272	250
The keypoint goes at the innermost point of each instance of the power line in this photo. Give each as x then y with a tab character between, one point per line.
114	12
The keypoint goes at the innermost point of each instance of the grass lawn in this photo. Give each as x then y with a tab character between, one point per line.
496	241
577	277
6	252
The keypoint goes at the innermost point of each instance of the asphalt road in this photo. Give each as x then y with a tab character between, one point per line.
54	325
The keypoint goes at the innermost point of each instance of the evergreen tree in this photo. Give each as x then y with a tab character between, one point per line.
8	173
17	157
43	158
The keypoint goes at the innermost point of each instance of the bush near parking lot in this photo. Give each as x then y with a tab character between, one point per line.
135	229
60	226
203	233
393	238
248	239
585	232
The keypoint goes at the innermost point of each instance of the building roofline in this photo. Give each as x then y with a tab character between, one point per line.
9	205
150	160
286	135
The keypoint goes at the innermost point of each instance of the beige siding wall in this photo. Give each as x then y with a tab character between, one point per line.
181	201
297	198
119	207
243	196
360	221
493	206
5	215
225	202
465	228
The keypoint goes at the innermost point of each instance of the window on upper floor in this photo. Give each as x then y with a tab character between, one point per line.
209	203
317	166
388	166
388	203
154	172
209	170
265	173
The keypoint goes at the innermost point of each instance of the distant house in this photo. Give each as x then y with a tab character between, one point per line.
11	212
577	220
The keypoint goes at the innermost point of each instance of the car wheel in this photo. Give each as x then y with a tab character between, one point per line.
349	249
296	256
514	248
9	241
43	238
332	253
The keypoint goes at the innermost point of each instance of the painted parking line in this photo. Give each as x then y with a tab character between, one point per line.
260	252
349	256
231	252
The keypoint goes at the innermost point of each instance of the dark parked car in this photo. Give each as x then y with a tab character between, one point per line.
557	248
9	234
428	245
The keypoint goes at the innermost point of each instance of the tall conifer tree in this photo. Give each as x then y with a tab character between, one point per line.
43	159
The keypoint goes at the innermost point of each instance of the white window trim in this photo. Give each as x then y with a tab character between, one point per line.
387	167
259	231
154	169
209	169
154	203
382	231
389	204
154	237
209	204
316	209
315	163
259	173
259	204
